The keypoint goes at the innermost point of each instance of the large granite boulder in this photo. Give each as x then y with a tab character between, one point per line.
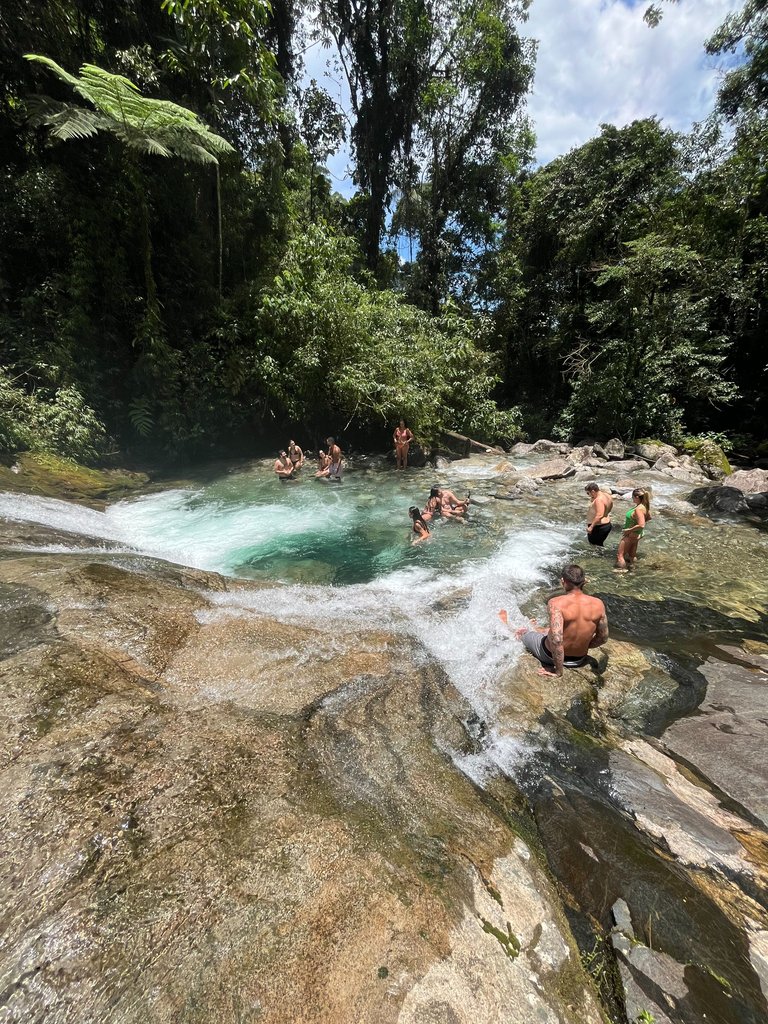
749	481
555	469
581	453
614	448
680	467
719	498
520	450
651	451
546	447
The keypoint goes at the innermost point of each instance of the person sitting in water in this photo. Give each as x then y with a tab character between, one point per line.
295	454
577	623
420	528
452	502
284	466
434	505
599	525
436	508
323	462
334	467
634	527
402	438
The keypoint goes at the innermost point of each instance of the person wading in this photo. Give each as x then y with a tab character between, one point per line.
334	467
634	527
577	623
599	525
284	467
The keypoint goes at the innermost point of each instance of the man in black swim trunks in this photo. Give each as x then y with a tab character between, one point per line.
599	524
577	623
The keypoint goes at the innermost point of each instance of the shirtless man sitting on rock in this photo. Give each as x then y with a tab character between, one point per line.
577	623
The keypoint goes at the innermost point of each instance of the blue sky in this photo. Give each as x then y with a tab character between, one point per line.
598	62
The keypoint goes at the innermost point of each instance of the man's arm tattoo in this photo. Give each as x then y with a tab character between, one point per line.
601	633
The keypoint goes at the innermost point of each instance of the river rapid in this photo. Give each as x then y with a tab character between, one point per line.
337	561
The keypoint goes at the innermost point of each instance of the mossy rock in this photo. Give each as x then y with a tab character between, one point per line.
54	477
710	456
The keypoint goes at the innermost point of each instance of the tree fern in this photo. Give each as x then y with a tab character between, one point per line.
142	125
156	127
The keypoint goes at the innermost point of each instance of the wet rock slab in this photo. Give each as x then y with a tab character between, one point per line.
205	821
727	739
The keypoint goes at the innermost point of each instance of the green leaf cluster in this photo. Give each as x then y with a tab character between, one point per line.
330	347
56	421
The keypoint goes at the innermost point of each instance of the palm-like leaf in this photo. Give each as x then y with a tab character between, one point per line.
156	127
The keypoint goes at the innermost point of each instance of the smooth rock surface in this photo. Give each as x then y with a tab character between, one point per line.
719	498
210	818
727	740
555	469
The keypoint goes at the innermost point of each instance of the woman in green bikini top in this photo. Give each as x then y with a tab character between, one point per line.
634	527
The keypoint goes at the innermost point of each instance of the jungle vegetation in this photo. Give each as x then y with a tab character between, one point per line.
179	276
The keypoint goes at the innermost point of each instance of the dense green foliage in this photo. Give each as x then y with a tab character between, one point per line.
177	275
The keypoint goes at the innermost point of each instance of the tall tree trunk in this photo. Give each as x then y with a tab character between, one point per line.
218	224
139	185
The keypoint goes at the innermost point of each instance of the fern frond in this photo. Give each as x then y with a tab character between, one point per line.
156	127
140	415
65	76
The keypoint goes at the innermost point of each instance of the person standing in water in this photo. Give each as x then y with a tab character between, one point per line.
334	466
420	528
295	454
402	438
634	527
577	623
599	525
284	467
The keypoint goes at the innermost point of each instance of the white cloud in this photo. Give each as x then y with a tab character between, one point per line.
598	62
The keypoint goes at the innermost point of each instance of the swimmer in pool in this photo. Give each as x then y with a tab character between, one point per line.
452	502
295	454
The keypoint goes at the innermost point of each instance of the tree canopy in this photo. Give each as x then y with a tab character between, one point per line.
178	275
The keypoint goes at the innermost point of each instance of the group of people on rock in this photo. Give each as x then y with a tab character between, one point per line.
441	504
599	524
290	460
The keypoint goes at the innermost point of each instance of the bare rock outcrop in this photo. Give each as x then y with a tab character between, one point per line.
555	469
210	817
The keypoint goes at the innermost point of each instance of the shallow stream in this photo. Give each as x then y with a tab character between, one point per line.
339	557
